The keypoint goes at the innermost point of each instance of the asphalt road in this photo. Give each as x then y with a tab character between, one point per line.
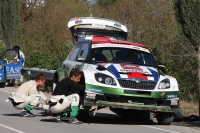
104	122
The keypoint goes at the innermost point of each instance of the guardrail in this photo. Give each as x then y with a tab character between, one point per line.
32	72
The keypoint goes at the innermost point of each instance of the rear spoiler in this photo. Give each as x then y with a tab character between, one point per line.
85	27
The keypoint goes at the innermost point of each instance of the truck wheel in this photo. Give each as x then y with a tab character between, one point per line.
165	118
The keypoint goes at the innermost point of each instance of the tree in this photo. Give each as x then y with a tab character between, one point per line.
10	18
187	12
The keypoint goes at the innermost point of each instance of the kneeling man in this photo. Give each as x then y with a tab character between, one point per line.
65	97
28	96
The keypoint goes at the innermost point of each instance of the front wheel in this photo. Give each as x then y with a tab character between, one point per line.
135	115
165	118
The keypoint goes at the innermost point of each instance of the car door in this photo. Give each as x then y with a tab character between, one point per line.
12	64
77	57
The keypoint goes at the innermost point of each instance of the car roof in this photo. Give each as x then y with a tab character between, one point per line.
107	40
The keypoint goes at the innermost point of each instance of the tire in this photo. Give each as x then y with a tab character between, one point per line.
165	118
83	115
135	115
2	85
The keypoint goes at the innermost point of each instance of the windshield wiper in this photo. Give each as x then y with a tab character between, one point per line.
99	61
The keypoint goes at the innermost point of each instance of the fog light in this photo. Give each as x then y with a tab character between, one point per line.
100	79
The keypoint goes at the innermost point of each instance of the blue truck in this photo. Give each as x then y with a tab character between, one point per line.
10	67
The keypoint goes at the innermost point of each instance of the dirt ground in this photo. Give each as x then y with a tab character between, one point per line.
189	108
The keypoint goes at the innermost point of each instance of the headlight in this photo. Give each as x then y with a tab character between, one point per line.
1	66
164	84
105	79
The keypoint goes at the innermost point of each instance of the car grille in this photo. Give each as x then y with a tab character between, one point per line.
134	85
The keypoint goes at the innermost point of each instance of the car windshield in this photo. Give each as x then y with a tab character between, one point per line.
122	55
10	54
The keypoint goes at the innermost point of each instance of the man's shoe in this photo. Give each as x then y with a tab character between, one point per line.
75	121
57	117
31	114
64	118
26	114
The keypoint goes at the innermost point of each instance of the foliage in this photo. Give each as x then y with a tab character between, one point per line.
188	17
10	18
45	59
187	13
2	50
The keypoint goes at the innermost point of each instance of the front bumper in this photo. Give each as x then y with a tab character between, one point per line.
140	100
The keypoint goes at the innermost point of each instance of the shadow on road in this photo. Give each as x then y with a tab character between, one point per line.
17	114
102	118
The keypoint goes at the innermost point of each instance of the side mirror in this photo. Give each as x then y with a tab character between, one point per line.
162	68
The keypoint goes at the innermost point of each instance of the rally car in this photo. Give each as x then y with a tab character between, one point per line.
117	73
10	67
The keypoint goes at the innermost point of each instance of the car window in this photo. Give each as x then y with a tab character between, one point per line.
122	55
74	52
10	54
84	51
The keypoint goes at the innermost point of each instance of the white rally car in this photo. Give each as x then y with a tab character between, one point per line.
117	73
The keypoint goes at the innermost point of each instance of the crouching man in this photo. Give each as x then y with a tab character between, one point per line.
28	96
65	97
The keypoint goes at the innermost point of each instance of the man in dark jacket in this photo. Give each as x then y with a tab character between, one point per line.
65	97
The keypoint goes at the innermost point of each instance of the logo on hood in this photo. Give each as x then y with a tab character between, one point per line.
138	80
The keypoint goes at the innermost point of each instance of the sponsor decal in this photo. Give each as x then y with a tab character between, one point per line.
102	64
118	41
172	96
78	21
174	102
131	68
91	95
135	47
12	70
162	94
98	25
95	90
117	25
68	98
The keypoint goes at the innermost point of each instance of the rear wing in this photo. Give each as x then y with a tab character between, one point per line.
89	26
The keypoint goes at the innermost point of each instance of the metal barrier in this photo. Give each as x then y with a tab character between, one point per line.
32	72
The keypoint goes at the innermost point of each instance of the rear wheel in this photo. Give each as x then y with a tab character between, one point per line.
165	118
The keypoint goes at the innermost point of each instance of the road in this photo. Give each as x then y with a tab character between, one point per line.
104	122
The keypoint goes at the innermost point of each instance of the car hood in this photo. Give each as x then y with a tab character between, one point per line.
130	71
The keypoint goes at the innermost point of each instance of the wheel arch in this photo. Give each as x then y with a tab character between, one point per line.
58	75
